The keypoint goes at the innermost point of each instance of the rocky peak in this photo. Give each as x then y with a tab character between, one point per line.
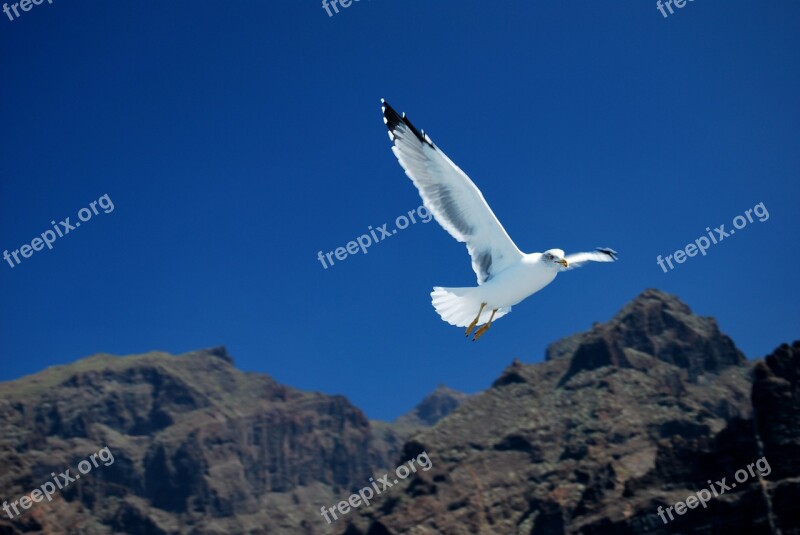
654	324
434	407
220	352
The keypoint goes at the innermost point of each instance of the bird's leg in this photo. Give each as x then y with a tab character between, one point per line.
475	321
483	329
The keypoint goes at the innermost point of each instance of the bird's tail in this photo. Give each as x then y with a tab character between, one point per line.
459	306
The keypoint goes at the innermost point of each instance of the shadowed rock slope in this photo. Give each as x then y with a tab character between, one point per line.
198	446
389	437
636	413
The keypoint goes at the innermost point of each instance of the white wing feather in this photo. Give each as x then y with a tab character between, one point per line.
600	255
454	200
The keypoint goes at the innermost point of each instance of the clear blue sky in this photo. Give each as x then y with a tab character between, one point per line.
238	139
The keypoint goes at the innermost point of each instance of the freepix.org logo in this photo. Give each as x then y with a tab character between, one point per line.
668	5
62	481
327	5
366	494
365	240
64	227
702	497
24	5
719	233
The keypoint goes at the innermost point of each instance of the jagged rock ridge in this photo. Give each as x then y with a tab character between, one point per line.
634	414
620	420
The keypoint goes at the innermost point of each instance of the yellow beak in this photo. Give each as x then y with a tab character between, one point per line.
563	262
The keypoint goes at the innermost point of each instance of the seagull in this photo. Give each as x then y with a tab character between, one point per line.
506	275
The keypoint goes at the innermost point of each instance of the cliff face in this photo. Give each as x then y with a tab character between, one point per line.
776	398
389	438
196	443
636	414
198	447
633	415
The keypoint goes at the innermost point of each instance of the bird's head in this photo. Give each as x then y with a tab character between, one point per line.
555	258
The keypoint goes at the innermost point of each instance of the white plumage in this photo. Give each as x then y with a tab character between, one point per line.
505	274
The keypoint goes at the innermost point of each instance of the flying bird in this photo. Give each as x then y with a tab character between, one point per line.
506	275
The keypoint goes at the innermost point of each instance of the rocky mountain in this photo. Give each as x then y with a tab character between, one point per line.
389	437
633	415
198	447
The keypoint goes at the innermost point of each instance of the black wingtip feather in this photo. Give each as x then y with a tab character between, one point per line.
394	119
610	252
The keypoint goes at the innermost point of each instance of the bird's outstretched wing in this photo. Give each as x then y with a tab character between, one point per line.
601	254
453	199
